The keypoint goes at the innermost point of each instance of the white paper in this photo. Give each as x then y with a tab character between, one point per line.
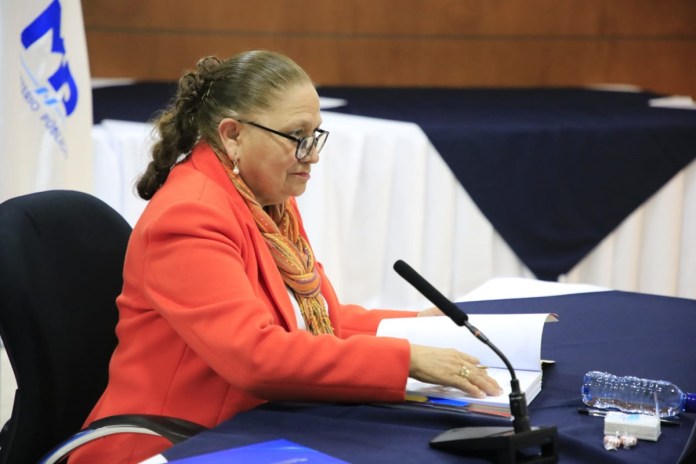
518	336
530	383
673	101
326	103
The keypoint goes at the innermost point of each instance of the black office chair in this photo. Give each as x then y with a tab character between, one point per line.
61	261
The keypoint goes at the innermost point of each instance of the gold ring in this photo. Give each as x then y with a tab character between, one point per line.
464	372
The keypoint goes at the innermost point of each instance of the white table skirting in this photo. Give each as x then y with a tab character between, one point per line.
381	192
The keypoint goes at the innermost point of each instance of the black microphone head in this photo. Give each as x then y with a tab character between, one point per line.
401	266
458	316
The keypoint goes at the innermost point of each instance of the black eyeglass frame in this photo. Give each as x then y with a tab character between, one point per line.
323	135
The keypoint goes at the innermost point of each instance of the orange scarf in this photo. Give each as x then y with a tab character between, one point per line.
291	252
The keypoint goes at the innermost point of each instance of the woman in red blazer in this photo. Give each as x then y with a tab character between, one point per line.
223	305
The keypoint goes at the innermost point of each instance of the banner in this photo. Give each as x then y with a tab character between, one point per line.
45	98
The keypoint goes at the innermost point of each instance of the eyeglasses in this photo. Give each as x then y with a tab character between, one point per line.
305	145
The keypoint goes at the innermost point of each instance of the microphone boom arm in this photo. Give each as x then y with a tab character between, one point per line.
501	442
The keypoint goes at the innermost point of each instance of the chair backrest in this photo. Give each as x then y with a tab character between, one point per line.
61	264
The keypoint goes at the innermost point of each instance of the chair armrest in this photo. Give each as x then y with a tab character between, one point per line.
173	429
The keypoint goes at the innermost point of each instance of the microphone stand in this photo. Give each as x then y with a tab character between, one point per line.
504	444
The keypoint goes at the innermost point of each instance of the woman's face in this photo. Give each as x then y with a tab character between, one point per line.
267	161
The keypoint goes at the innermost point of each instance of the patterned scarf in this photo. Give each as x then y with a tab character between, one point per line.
291	252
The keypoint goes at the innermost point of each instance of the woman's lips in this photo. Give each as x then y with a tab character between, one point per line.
303	175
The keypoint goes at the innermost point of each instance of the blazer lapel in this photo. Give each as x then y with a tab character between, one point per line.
206	161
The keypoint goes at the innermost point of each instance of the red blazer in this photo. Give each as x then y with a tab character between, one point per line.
207	329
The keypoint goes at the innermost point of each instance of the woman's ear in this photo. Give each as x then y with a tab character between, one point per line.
228	130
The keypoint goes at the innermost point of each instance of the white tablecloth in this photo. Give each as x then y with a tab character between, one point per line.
381	192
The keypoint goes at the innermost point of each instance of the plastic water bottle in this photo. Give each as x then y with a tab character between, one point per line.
634	395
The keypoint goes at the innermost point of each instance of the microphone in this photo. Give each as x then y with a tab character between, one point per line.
518	402
424	287
504	442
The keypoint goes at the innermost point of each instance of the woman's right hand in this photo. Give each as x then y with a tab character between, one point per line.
451	368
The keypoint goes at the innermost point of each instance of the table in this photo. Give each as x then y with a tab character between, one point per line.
383	192
555	170
596	330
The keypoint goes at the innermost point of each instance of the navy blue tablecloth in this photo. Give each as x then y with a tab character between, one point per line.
555	170
137	102
623	333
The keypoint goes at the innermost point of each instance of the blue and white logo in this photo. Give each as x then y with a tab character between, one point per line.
47	85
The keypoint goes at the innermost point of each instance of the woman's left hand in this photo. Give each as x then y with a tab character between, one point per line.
434	311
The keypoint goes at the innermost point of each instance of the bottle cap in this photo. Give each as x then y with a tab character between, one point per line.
690	402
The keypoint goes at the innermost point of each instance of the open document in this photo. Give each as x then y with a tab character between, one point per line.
518	336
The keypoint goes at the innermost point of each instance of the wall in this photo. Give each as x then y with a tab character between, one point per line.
649	43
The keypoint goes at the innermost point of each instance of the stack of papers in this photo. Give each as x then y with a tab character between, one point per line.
518	336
